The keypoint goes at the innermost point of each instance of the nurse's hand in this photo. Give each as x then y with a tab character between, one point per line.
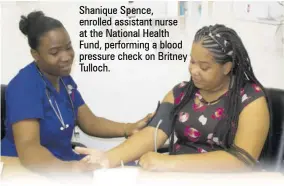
94	158
135	127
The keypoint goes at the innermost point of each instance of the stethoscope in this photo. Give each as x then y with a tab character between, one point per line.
57	110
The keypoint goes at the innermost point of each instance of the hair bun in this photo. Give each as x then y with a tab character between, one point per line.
24	25
27	21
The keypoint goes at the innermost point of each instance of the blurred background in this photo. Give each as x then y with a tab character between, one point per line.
133	88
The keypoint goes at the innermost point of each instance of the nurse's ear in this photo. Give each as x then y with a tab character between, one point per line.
35	55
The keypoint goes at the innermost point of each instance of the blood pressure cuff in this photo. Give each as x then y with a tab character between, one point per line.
163	113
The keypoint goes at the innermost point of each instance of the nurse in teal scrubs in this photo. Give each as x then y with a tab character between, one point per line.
43	103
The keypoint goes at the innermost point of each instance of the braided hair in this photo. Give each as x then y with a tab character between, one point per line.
225	46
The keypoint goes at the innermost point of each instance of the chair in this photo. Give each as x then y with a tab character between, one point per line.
273	152
3	115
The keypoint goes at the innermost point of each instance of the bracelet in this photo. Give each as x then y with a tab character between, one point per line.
125	133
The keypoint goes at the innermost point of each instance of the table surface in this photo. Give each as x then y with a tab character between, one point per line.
13	169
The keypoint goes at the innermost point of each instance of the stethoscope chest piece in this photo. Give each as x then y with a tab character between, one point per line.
66	126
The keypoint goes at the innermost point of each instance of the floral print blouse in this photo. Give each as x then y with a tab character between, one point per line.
196	121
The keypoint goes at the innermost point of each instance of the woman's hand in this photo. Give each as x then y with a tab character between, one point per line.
94	158
153	161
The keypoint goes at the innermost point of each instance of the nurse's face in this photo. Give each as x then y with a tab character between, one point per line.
55	53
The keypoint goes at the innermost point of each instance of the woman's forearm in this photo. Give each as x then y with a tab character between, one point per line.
217	161
134	147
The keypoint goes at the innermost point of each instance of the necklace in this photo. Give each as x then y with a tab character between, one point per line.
202	100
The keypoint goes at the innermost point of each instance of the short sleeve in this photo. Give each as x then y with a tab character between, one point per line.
179	92
23	101
78	100
250	93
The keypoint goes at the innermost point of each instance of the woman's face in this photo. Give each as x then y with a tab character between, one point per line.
55	53
205	72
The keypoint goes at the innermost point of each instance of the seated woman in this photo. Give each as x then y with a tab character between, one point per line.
44	104
220	117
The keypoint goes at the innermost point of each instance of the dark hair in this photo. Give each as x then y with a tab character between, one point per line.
35	25
226	46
